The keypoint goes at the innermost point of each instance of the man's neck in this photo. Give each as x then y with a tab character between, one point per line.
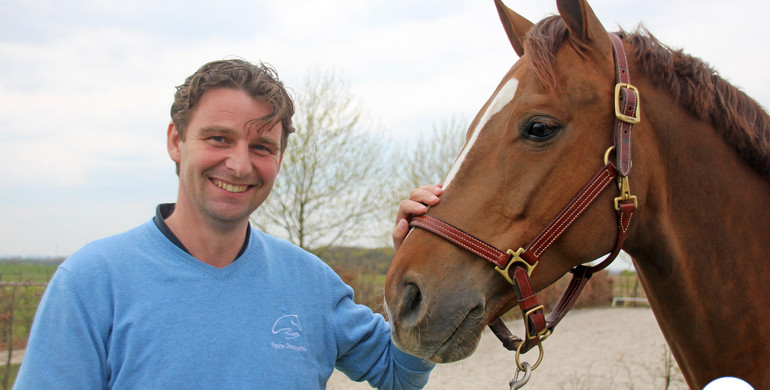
216	244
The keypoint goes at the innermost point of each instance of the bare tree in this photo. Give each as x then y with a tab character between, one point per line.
430	158
426	160
329	189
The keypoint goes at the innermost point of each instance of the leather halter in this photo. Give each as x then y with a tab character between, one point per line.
517	266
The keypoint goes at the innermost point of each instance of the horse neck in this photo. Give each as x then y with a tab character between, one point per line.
700	245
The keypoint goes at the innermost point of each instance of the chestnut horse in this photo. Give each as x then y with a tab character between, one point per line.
695	172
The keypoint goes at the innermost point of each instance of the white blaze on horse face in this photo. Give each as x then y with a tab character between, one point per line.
501	100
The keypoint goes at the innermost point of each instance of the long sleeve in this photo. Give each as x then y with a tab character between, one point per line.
365	349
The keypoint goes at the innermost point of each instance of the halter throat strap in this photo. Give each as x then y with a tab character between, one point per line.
517	266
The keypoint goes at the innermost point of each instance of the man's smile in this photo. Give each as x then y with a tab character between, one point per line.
230	187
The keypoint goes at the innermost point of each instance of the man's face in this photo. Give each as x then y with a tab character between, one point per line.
227	161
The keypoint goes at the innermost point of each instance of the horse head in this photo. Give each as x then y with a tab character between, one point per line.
535	143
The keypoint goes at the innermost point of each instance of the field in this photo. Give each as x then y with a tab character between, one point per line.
26	272
21	285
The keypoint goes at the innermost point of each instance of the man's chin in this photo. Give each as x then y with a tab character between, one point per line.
230	215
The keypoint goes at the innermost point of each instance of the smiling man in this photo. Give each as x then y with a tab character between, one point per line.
227	162
197	299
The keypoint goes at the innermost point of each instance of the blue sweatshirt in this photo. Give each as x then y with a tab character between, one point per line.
134	311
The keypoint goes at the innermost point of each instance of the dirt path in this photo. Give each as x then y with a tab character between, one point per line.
608	348
16	357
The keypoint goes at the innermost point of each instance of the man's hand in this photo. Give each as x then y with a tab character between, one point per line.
417	204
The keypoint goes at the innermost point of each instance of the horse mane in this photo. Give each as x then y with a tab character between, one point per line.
694	85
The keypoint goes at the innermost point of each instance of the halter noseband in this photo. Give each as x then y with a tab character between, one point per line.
517	266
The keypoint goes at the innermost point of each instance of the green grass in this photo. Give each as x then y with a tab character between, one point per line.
12	375
18	303
26	272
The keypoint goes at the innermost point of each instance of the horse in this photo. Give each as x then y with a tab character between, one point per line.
651	151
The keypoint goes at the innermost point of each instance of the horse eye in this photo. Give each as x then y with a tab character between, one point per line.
539	131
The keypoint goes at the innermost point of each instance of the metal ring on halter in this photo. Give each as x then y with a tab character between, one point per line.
517	383
539	358
607	154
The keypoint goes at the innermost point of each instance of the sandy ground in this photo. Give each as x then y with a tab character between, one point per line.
608	348
16	357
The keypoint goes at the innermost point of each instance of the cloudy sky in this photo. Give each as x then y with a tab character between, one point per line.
85	85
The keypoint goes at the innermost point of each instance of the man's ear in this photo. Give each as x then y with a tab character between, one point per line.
173	141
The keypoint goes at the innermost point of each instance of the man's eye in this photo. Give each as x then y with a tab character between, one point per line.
218	138
262	148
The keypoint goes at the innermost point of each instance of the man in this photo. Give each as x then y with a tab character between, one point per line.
196	298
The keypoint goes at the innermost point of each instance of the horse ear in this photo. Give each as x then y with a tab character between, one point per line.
516	26
584	27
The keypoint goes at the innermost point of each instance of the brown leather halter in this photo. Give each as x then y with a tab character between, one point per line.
517	266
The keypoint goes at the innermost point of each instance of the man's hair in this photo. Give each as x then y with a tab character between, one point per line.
260	81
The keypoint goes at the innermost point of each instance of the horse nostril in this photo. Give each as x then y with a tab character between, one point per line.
412	304
412	297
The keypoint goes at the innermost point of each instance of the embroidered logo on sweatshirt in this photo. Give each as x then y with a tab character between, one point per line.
289	326
287	330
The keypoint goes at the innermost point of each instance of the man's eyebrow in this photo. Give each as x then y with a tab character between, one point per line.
215	130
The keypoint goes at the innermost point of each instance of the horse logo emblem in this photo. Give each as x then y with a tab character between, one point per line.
288	325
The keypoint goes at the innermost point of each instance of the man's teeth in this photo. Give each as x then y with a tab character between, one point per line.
230	187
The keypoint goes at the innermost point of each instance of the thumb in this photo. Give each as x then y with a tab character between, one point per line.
399	233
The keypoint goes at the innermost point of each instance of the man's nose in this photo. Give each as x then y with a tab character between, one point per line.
238	162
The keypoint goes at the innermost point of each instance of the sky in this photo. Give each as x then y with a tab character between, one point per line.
86	85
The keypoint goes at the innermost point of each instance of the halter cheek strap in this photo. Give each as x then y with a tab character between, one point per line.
517	266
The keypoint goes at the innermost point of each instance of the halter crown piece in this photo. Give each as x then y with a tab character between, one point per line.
516	266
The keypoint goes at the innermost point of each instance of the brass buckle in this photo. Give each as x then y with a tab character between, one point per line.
542	335
625	193
625	118
515	259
